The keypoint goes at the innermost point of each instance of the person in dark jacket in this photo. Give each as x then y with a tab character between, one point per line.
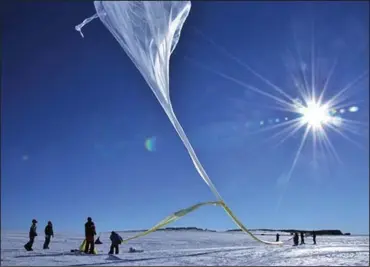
314	237
90	233
116	240
48	234
32	235
295	239
302	238
277	237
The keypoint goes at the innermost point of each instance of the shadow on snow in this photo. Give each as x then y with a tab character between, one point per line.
114	259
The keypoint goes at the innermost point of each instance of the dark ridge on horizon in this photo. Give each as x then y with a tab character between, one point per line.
288	231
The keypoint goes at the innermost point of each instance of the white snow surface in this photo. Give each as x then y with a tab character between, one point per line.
188	248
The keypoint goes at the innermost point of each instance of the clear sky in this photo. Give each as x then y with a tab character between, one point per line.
76	114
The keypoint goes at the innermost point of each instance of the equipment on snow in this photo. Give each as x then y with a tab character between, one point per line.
132	250
83	247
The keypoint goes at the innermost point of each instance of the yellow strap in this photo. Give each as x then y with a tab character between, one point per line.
82	247
242	227
177	215
174	217
198	166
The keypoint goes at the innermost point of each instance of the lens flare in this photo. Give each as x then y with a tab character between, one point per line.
353	109
151	144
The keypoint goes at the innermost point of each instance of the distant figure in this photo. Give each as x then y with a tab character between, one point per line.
32	235
277	237
48	234
302	238
90	232
295	239
314	237
116	241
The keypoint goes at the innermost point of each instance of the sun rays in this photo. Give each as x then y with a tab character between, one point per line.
312	111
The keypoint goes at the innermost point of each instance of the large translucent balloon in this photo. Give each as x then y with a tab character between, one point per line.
149	31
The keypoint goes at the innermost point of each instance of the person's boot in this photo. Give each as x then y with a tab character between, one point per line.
86	250
28	247
92	248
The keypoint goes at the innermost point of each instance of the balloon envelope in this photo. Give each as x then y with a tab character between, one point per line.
148	31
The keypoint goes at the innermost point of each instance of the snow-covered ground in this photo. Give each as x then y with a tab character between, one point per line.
189	248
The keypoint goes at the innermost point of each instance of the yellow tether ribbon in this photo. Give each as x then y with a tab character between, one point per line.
177	215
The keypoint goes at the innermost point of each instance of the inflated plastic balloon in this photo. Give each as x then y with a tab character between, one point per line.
149	31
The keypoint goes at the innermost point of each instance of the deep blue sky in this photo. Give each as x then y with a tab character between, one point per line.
76	114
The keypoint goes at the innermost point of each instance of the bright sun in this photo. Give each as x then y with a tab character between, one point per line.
314	114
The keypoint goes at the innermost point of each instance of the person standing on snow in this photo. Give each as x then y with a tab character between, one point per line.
32	235
277	237
314	237
302	238
48	234
89	236
116	241
295	239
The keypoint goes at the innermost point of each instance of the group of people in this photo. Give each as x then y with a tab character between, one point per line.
296	238
90	233
116	239
33	233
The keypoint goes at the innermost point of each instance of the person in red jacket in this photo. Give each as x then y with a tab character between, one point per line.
90	233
